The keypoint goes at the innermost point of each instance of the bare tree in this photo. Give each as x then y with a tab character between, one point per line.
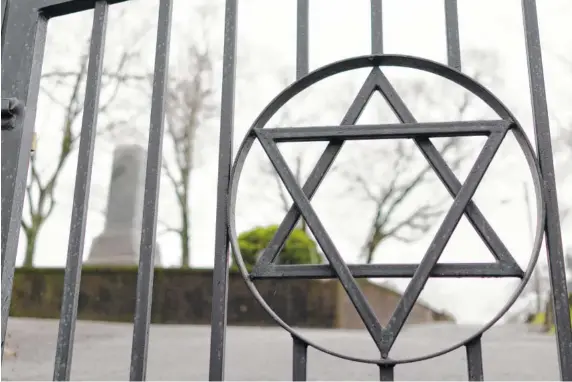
403	174
191	105
285	201
291	116
396	187
43	180
388	190
266	169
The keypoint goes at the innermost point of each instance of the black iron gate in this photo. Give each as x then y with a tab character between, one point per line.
24	24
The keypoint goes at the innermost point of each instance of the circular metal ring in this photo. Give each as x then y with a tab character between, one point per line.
395	61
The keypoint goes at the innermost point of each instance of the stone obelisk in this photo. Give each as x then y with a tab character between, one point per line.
119	242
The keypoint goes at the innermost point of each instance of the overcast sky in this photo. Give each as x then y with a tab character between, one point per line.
338	30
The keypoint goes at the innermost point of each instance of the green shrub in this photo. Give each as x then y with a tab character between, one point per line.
540	318
298	249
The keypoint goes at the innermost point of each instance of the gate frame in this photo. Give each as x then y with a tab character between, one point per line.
24	28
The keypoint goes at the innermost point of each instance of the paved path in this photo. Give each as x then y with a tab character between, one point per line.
181	353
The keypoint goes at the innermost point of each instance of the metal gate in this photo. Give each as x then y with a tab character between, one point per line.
24	24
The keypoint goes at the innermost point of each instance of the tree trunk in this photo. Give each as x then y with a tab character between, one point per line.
374	241
303	225
30	247
369	255
185	239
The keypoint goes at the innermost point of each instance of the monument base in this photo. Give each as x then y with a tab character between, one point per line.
118	248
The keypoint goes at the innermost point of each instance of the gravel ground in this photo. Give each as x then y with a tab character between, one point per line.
102	352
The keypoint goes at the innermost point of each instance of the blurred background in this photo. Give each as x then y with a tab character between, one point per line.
381	202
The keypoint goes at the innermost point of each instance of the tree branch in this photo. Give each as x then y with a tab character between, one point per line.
165	229
72	80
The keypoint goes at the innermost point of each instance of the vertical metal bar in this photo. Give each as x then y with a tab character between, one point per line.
376	27
302	39
144	293
386	372
5	10
452	30
299	359
475	360
22	57
220	271
544	148
72	277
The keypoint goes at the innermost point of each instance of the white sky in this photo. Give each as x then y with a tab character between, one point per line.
338	30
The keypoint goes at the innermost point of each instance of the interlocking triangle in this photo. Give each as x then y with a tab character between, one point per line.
384	337
420	273
505	265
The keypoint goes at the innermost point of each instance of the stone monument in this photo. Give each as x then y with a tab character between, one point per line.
119	242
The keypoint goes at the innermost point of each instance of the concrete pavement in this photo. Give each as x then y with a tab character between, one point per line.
102	352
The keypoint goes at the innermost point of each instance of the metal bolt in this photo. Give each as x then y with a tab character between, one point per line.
11	107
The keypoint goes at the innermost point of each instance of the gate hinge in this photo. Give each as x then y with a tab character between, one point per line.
11	108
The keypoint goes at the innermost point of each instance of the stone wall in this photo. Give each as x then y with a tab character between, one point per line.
183	296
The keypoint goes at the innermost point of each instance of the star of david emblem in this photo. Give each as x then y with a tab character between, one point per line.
384	337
